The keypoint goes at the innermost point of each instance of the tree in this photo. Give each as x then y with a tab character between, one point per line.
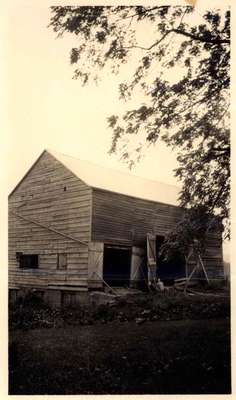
189	239
190	232
189	113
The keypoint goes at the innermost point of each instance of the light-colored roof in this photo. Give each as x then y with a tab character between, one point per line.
119	182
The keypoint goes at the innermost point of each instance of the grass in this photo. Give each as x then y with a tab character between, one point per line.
157	357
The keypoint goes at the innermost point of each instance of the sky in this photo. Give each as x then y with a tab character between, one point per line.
46	109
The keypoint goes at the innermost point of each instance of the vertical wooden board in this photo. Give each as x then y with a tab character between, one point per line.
151	249
136	264
95	264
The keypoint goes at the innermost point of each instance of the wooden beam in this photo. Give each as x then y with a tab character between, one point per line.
48	228
105	283
203	267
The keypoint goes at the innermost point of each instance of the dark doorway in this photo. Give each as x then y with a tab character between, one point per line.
172	269
116	265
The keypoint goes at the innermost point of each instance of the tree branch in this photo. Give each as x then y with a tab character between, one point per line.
201	38
218	195
150	10
148	48
180	32
222	150
137	14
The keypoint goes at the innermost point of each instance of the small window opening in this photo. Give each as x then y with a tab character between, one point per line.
28	260
64	188
62	261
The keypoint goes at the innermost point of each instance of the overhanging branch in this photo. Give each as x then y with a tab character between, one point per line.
184	33
150	10
201	38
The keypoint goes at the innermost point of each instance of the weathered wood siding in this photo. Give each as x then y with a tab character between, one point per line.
53	196
121	219
213	257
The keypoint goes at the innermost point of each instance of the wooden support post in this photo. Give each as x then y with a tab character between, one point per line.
199	263
186	262
203	267
190	276
105	283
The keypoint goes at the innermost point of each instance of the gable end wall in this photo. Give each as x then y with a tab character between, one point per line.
51	195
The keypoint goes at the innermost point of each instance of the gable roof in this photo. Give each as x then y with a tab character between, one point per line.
119	182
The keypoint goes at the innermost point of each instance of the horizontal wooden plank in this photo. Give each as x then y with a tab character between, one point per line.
50	191
41	197
58	203
45	247
49	276
23	236
52	211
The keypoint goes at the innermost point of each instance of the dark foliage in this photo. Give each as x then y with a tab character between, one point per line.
190	114
191	233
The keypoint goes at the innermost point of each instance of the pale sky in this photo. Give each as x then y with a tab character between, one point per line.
46	108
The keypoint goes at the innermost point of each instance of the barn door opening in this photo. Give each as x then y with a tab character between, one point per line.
116	265
172	269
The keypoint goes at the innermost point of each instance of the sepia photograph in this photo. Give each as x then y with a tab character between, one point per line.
118	198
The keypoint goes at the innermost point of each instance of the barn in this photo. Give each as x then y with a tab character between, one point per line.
75	227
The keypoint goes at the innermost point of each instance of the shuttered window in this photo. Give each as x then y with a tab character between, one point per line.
62	261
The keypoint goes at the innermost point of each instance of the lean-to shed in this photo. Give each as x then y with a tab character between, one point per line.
73	225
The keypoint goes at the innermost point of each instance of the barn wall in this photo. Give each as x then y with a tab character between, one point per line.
213	257
117	218
52	195
121	219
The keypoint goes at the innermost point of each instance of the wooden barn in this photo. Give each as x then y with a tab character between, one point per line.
75	226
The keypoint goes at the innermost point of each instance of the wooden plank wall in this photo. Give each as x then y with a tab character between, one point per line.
213	257
122	219
41	197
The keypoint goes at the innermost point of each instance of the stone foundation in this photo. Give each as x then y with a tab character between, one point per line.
55	298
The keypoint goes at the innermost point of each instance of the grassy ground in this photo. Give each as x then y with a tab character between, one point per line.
156	357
